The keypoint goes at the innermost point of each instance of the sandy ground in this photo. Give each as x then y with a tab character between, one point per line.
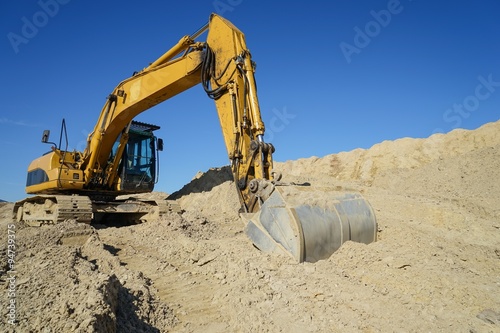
434	268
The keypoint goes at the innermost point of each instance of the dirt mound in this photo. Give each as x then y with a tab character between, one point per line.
434	267
365	165
6	211
66	281
204	182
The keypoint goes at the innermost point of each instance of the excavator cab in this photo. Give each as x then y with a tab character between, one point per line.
139	162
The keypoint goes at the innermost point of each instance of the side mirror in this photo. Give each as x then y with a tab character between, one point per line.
160	145
45	136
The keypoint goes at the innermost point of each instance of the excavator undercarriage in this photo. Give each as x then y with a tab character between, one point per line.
51	209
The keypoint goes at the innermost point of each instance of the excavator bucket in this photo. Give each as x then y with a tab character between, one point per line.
298	221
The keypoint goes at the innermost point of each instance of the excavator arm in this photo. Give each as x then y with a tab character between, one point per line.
224	67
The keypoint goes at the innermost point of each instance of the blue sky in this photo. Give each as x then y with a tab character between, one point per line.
332	75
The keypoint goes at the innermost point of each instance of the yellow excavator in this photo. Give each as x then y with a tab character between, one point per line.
121	157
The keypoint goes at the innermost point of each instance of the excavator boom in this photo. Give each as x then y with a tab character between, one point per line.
277	216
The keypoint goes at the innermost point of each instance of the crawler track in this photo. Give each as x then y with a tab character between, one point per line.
51	209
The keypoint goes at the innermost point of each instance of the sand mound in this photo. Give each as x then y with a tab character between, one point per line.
435	266
66	280
406	153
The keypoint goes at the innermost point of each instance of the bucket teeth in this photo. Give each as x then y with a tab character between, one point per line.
308	225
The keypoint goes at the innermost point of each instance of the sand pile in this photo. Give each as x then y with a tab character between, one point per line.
435	266
407	153
67	280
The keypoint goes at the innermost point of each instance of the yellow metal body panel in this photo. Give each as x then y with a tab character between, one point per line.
58	176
